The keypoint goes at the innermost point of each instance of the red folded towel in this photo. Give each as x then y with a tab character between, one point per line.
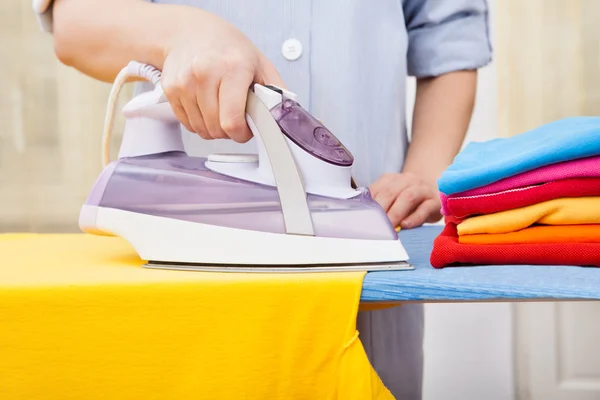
448	252
465	206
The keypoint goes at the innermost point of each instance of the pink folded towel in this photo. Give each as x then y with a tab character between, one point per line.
582	168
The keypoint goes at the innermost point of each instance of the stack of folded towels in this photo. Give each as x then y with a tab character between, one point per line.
530	199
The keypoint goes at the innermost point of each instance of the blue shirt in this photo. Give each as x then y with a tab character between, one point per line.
355	58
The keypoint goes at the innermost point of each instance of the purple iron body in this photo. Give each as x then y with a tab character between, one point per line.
310	134
290	207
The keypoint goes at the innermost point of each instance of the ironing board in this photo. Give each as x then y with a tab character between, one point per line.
426	284
500	283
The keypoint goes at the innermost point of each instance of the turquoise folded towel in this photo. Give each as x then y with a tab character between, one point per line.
482	163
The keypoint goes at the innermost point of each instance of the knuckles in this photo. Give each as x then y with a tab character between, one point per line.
204	135
176	86
410	177
241	137
201	73
409	196
233	125
233	63
203	69
208	69
387	191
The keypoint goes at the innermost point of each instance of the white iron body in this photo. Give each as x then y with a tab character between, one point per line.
291	206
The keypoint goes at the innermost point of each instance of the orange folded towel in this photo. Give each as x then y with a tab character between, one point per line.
539	234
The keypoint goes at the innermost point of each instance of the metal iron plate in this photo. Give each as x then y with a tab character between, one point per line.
392	266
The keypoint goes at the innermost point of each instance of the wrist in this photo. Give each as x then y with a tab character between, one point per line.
161	27
184	24
168	25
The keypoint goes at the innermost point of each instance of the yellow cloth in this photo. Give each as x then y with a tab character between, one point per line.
563	211
80	319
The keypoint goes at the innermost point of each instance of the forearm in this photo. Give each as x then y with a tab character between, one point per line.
99	37
442	112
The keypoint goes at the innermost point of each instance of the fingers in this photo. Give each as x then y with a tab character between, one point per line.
233	93
205	91
180	113
425	212
406	202
194	115
209	97
183	102
173	93
385	189
270	75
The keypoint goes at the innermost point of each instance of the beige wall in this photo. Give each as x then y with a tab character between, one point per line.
51	119
548	58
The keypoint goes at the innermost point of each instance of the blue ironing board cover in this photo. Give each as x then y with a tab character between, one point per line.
477	283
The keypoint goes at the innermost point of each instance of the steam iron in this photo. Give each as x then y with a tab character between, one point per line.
290	207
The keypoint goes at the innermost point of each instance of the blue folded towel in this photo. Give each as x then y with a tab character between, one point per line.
482	163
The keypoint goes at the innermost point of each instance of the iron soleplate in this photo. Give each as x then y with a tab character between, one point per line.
392	266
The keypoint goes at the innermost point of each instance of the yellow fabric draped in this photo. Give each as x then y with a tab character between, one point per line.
81	319
563	211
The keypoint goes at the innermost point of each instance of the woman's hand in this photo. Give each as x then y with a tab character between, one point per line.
207	81
408	201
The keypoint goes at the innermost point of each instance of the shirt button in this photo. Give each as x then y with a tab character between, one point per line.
291	49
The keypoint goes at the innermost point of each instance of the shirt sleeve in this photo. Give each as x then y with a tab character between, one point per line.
43	13
446	36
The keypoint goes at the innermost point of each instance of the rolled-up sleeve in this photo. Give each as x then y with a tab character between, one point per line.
446	36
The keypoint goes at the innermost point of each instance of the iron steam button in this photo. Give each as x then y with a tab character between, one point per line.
325	137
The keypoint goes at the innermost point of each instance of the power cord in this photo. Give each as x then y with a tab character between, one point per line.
133	70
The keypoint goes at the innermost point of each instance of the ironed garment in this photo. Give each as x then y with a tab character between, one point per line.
465	206
483	163
448	252
563	211
538	234
112	329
